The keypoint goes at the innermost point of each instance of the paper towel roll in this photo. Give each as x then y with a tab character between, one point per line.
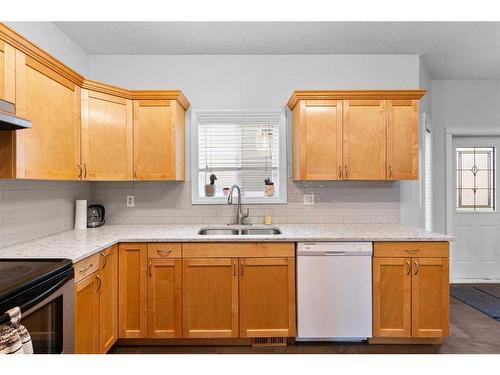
81	214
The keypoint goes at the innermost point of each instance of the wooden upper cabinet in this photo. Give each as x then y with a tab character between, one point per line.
317	140
7	72
210	298
107	136
391	297
430	297
402	139
132	290
87	315
51	148
267	297
364	149
164	298
159	138
108	298
355	135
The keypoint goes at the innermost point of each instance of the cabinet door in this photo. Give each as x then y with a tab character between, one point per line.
164	298
267	297
87	315
430	297
364	135
7	72
108	331
158	140
210	298
132	290
391	297
402	139
107	142
51	148
317	137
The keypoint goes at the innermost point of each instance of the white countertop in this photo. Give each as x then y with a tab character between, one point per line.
79	244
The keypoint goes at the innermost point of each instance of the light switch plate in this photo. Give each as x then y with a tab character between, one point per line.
130	201
308	199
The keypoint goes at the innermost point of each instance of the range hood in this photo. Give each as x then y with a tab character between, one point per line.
8	119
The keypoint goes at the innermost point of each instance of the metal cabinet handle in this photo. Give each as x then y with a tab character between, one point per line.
346	171
242	265
416	266
79	170
160	251
149	268
135	173
340	171
105	260
85	171
408	263
234	269
100	283
86	268
390	171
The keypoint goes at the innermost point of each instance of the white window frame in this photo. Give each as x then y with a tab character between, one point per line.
274	115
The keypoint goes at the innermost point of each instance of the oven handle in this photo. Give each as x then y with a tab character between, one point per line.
64	278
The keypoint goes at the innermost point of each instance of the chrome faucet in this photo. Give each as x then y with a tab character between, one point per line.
239	215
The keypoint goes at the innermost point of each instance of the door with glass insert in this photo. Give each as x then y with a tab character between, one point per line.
476	223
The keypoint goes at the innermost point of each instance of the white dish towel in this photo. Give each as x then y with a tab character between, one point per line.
14	338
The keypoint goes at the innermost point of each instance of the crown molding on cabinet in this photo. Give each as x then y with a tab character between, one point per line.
161	95
29	49
104	88
353	94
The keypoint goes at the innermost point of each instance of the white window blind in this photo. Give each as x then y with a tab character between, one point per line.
428	180
240	148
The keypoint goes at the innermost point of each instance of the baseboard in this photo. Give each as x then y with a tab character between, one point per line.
406	340
185	342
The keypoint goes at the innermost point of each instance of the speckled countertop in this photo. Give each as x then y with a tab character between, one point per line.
79	244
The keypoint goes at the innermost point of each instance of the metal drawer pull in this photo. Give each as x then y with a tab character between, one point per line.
416	265
408	263
160	251
105	260
412	251
100	283
242	264
86	268
149	268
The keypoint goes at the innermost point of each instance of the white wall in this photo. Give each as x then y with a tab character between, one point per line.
52	40
458	104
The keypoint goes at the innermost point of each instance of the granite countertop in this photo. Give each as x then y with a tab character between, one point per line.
79	244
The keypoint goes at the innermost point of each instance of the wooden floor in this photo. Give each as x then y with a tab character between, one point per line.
470	332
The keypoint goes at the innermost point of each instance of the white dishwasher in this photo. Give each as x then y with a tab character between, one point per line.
334	291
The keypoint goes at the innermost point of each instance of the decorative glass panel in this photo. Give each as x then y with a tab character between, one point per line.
475	178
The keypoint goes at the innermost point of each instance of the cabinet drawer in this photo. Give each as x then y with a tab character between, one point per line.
411	249
162	250
237	250
86	267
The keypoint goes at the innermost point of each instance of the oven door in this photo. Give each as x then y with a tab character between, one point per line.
51	321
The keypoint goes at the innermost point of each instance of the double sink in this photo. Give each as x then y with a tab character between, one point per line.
225	231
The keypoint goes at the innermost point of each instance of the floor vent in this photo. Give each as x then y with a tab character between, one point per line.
269	341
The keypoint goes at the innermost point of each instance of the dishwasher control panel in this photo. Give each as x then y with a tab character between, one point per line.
335	248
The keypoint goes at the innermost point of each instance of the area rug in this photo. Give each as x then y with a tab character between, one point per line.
483	298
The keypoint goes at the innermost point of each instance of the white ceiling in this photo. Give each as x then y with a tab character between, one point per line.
451	50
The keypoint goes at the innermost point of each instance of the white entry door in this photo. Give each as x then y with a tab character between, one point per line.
476	221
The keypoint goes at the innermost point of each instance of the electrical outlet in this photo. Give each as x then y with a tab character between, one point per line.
130	201
308	199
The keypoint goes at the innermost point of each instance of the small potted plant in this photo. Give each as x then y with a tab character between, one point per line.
210	188
268	187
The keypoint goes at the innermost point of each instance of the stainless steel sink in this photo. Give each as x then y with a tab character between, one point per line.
238	231
261	231
218	232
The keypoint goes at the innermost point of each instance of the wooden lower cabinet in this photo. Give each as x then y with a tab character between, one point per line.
210	297
132	291
411	293
108	299
267	297
164	298
87	315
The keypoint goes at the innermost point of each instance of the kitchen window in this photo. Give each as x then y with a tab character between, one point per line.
246	148
475	179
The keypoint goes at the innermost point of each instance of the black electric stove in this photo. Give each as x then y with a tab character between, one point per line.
25	282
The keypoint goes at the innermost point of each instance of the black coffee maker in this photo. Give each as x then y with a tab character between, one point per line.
95	215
